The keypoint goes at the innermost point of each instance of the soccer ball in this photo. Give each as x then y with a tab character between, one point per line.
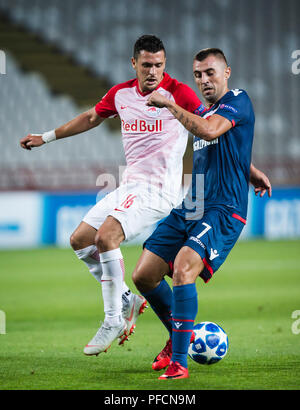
210	344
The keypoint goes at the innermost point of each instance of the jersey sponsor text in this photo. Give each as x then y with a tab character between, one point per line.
200	144
140	126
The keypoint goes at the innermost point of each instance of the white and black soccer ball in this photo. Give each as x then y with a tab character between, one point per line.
210	344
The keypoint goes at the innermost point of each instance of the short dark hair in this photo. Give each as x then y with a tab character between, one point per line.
203	54
149	43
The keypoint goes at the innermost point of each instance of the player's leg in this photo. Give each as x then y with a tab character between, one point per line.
138	209
160	249
114	290
187	266
108	239
97	216
148	277
209	242
82	241
135	211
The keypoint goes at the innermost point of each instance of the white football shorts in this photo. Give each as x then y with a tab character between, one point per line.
136	206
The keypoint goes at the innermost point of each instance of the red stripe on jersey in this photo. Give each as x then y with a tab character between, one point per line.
236	216
208	267
106	108
183	320
176	330
182	93
171	266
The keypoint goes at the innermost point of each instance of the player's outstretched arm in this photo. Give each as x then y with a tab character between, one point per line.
260	182
77	125
207	129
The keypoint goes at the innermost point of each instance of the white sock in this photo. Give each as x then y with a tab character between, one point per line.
126	294
90	256
112	285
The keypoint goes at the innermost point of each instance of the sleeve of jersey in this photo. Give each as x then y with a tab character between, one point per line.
234	108
186	98
106	108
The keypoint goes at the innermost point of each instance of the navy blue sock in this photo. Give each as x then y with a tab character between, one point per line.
184	308
160	299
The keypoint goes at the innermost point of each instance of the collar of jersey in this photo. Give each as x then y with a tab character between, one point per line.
218	102
149	92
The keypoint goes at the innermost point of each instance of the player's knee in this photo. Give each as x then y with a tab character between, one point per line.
110	235
101	241
137	277
75	241
142	280
106	241
181	276
185	273
187	267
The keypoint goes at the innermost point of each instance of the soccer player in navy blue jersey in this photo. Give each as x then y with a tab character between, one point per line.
195	239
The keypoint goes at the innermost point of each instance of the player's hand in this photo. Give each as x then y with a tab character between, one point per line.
260	182
31	140
157	100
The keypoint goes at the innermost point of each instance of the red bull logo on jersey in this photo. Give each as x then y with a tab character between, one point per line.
153	111
140	126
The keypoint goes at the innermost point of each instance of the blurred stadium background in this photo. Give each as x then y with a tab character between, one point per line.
62	57
57	59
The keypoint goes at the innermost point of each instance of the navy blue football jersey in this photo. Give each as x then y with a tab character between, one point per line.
224	163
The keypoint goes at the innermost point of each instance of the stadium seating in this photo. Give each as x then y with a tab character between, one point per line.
30	107
257	39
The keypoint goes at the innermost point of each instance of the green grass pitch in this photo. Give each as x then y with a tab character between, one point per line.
53	307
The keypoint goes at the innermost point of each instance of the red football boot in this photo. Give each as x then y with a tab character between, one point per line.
163	359
175	371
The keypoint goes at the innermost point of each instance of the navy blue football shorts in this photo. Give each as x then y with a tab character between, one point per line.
212	237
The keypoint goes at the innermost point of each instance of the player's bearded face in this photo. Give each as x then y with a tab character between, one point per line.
211	76
149	69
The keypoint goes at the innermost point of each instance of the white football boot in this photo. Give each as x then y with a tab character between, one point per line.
130	312
104	338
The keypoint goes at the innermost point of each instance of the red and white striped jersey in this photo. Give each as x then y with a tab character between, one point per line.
154	141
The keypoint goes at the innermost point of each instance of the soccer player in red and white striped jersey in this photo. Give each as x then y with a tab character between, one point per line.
154	143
